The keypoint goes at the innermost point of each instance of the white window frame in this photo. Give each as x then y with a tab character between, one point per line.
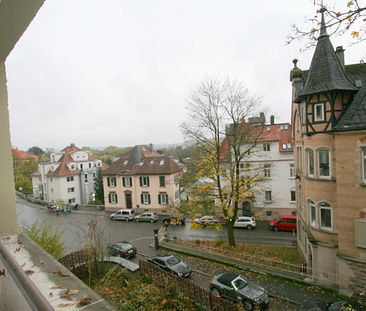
294	191
145	198
325	206
112	181
312	212
265	195
363	164
113	197
163	198
127	181
308	152
292	170
145	181
266	147
267	170
329	163
319	116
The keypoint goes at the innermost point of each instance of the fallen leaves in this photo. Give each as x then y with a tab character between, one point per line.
83	302
28	272
60	273
67	293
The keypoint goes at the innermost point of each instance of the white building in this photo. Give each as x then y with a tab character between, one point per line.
68	177
271	160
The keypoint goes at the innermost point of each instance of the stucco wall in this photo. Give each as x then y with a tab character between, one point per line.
8	224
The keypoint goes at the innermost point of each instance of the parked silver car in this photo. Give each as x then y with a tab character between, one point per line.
233	286
148	216
123	214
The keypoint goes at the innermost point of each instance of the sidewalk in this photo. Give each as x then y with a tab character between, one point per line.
284	287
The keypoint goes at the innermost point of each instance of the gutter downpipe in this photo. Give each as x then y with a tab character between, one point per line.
31	293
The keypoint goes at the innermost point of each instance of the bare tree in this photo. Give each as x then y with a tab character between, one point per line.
349	17
212	106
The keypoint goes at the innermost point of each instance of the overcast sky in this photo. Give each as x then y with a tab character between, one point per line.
119	72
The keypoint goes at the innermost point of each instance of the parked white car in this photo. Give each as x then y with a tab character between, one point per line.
245	222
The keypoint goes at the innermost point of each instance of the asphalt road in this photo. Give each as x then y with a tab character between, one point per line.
74	228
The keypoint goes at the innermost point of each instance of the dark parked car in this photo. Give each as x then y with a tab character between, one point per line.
174	220
319	305
234	287
171	264
122	249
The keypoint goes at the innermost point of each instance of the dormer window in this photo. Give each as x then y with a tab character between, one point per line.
318	112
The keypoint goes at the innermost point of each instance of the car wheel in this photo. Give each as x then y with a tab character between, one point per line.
112	218
249	227
152	220
215	292
126	219
248	305
137	220
275	229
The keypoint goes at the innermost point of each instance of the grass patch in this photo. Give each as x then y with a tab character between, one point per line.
289	255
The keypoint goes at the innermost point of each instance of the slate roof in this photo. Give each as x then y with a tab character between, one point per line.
141	160
326	72
354	117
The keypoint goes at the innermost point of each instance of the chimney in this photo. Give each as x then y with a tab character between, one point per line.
340	54
272	119
151	147
138	154
72	145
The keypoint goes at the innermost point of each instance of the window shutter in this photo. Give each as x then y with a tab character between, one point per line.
149	198
109	198
140	181
116	196
159	198
108	182
167	200
130	178
123	181
142	198
148	181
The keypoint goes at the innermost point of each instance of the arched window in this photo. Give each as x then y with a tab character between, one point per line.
312	213
324	163
325	216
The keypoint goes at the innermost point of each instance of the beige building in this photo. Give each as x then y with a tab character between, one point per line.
143	180
329	118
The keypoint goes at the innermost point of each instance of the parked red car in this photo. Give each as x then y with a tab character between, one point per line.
283	223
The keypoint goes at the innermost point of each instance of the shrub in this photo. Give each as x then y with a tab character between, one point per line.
48	239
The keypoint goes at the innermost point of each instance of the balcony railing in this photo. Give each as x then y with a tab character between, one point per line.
31	279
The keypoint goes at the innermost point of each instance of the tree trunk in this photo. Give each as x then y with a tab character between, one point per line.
230	233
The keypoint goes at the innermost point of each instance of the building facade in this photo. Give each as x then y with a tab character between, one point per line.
68	177
270	163
329	118
143	180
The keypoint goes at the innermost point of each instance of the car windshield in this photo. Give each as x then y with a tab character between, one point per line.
239	283
124	246
172	261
